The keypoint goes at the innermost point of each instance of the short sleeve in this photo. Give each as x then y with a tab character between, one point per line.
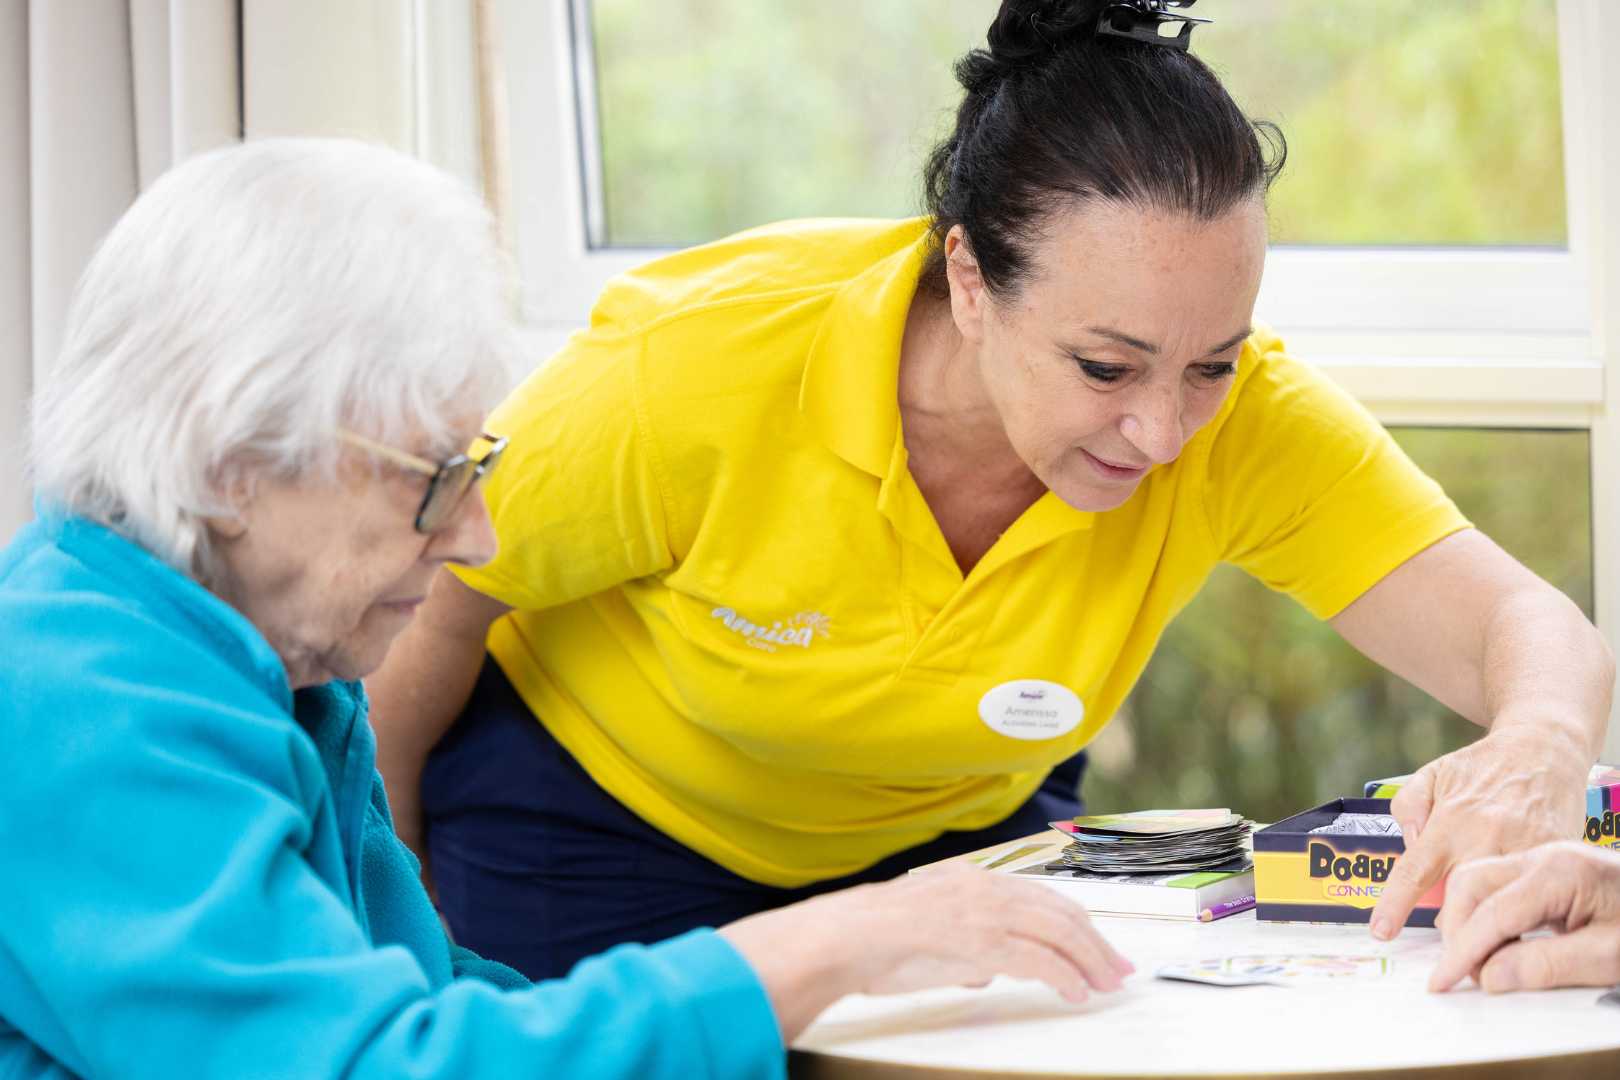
1307	492
578	501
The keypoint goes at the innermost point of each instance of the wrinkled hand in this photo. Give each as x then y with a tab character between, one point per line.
966	926
1571	887
942	928
1510	790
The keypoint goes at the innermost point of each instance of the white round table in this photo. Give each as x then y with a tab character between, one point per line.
1384	1026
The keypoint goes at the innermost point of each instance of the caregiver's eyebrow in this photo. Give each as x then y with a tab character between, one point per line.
1153	350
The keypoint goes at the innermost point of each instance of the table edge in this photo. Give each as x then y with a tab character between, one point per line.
816	1065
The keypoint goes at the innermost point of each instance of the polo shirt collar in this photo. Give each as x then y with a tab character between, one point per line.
851	387
850	393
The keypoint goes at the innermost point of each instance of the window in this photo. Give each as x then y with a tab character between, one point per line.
1476	154
1436	130
767	111
764	111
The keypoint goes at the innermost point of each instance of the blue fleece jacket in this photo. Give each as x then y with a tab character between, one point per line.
199	876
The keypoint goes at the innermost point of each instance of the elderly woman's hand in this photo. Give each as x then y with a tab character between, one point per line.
1516	787
1571	887
943	928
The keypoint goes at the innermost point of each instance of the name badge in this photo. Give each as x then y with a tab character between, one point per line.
1031	709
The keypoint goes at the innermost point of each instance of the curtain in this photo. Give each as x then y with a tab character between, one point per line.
16	350
97	98
315	67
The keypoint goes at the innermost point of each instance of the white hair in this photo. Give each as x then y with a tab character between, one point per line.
253	301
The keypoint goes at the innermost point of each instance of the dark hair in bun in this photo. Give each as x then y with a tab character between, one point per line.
1055	112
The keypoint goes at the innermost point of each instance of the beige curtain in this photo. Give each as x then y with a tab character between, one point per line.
16	349
319	67
97	98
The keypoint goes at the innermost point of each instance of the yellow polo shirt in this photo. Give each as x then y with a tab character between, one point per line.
735	609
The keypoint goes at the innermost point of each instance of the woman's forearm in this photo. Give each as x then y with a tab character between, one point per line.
1545	667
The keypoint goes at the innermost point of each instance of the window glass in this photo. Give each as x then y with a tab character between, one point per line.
1409	123
716	115
1251	703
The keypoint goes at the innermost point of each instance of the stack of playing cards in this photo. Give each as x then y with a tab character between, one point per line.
1158	841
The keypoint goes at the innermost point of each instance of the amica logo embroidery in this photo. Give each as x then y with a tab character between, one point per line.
801	630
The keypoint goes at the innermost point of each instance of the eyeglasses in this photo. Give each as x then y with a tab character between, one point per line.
449	482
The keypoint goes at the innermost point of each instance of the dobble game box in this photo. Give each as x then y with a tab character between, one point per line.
1301	876
1602	802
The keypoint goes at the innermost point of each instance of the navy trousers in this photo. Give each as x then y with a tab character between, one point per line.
537	867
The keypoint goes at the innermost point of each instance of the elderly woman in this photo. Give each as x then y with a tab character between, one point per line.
869	527
250	468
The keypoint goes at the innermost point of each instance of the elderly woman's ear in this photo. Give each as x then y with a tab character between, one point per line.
227	526
234	488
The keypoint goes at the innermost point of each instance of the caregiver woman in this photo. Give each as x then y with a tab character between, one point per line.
827	542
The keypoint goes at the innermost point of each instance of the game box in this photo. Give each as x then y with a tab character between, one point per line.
1336	877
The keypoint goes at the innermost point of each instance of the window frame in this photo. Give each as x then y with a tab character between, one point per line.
1477	337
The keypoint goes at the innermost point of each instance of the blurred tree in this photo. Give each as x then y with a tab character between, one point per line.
1408	123
716	115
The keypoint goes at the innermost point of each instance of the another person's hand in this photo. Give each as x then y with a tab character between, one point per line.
1511	790
1570	887
943	928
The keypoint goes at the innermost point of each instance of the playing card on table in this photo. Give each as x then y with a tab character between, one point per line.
1155	822
1277	970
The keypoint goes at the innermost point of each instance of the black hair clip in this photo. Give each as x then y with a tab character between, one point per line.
1140	20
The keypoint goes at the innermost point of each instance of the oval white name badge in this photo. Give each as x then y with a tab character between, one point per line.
1031	709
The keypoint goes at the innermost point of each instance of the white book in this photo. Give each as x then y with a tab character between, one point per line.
1177	895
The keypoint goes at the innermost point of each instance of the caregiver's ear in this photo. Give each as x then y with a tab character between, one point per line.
966	284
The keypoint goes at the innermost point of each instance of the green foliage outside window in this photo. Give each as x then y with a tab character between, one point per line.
1410	121
1427	122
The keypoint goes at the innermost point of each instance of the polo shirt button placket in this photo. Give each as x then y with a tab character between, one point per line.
950	657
